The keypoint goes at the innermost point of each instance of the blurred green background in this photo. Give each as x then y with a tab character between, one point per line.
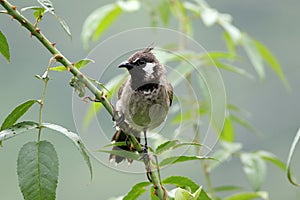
275	112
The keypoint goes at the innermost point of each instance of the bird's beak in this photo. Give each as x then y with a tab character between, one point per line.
126	65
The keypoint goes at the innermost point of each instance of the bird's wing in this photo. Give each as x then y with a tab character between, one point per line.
121	88
170	92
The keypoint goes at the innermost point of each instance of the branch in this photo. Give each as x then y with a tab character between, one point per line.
100	95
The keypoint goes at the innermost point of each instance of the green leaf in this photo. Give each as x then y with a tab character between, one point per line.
181	194
79	64
179	159
233	32
227	133
255	169
4	48
164	12
17	129
75	139
272	158
47	4
289	160
229	43
166	146
242	122
254	55
37	169
136	191
271	60
60	68
83	63
16	114
180	12
181	181
248	196
233	69
227	188
39	13
64	25
99	21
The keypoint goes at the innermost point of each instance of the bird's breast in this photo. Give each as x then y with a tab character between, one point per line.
146	108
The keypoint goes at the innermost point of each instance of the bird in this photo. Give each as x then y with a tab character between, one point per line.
144	99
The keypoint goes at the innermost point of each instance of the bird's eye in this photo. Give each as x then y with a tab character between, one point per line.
140	62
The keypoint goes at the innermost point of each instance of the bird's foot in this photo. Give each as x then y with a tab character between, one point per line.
119	118
145	153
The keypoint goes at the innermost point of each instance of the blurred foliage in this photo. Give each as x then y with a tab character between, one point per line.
161	13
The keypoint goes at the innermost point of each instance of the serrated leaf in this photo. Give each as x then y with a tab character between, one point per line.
254	55
289	160
16	114
181	181
37	169
179	159
64	25
99	21
272	158
272	61
4	47
47	4
75	139
136	191
17	129
255	169
248	196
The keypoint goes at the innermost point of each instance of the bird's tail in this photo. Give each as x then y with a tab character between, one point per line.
120	136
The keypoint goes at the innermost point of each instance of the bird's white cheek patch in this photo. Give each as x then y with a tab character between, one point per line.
149	68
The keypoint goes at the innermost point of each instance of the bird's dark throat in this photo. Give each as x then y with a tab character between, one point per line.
147	87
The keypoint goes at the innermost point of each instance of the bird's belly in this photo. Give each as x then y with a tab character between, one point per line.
146	110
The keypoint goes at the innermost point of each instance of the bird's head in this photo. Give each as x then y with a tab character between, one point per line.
143	66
